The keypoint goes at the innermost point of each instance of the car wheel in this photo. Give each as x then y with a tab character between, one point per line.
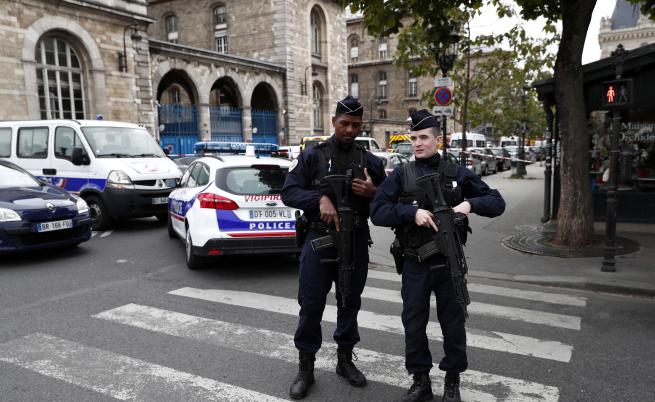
169	224
162	217
100	219
192	260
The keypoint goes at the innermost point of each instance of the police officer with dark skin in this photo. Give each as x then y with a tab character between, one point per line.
306	189
400	204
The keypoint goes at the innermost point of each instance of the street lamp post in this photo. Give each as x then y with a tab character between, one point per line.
136	38
520	165
445	57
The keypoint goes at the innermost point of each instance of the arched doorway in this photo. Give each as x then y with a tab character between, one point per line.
264	114
225	111
178	114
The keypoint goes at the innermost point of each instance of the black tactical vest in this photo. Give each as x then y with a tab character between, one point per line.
410	235
334	160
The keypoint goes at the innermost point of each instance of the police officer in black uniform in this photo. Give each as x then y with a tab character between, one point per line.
306	189
400	204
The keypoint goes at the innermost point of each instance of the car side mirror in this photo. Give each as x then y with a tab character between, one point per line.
79	158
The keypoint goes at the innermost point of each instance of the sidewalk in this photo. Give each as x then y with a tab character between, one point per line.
488	258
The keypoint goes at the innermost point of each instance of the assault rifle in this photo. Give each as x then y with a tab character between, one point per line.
344	238
447	237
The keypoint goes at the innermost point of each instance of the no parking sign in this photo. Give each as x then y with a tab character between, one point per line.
443	96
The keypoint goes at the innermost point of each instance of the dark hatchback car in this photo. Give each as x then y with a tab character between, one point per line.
35	215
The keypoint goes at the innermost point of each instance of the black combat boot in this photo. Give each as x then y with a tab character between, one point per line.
305	377
421	390
451	388
346	368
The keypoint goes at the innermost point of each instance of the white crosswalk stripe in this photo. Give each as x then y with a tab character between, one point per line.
510	313
115	375
380	367
492	340
545	297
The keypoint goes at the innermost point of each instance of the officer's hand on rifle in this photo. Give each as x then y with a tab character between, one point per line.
424	218
464	207
364	188
328	212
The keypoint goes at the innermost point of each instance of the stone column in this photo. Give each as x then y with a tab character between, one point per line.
204	122
246	121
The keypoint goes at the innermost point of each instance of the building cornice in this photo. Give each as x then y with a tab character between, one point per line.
99	6
177	49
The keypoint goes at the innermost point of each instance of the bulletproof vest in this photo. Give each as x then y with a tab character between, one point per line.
335	160
410	235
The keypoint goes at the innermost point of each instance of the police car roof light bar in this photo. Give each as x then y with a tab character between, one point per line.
239	148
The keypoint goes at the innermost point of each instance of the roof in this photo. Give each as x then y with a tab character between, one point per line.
82	123
625	15
242	160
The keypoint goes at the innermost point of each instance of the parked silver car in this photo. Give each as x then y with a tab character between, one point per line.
503	158
487	159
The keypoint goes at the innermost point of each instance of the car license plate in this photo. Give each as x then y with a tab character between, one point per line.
56	225
159	200
264	214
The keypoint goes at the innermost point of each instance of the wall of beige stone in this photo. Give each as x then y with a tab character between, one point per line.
97	36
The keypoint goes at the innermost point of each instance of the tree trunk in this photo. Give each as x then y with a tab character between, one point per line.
575	215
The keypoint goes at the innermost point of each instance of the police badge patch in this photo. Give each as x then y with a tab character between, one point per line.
293	164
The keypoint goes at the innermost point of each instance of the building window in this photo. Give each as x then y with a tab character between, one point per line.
382	48
175	96
318	112
382	85
220	38
220	17
316	33
354	49
59	80
171	29
412	87
382	114
354	86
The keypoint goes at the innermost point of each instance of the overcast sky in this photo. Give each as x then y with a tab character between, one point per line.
488	23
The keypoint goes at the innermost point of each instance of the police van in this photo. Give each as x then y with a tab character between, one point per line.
118	168
473	140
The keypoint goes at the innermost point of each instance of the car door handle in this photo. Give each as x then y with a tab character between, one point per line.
50	172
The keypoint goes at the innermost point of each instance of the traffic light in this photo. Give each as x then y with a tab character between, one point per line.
617	93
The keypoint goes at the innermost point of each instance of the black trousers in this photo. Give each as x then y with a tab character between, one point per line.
315	281
419	281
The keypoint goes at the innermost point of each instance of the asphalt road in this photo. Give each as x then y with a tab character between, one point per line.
121	317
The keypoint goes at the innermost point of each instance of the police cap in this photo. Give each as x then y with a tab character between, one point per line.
422	119
349	105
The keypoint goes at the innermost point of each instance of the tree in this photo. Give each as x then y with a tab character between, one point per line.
433	20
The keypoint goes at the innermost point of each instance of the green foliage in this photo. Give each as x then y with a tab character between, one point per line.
647	7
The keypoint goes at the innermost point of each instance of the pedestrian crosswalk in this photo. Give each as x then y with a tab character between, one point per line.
127	378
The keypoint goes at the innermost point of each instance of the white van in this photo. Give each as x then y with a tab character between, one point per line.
509	141
473	140
118	168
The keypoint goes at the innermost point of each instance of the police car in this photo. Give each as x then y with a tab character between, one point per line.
229	203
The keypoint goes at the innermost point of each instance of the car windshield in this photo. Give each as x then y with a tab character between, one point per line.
497	151
404	148
15	177
122	142
252	180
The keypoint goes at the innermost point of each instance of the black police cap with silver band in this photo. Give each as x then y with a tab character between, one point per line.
349	105
422	119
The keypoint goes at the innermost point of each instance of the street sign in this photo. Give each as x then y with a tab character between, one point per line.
443	96
442	110
617	93
443	82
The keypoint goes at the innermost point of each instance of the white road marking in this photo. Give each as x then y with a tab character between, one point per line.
492	340
118	376
107	233
380	367
510	313
93	234
545	297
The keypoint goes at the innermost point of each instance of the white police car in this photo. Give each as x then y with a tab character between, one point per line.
230	204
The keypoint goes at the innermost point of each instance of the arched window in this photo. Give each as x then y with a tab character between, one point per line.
171	28
220	29
316	33
354	49
176	98
318	112
60	80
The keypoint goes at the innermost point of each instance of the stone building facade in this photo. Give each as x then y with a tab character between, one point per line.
63	59
627	26
389	94
276	59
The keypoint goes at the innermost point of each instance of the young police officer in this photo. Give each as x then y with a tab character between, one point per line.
401	204
306	189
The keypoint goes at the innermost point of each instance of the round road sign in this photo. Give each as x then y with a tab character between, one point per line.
443	96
